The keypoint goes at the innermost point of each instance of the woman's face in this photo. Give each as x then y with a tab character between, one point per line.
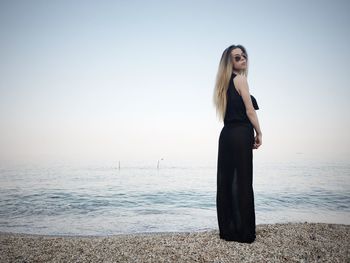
239	59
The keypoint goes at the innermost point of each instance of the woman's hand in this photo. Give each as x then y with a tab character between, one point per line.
257	141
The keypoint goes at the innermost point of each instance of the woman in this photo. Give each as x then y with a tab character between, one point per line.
236	107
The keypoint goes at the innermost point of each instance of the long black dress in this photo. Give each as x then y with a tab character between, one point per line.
235	196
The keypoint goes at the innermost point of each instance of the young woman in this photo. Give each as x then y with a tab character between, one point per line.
236	107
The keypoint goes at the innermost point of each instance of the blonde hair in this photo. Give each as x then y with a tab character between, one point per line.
223	77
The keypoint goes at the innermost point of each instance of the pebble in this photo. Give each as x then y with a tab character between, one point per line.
281	242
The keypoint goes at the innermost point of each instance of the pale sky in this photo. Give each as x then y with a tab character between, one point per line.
132	81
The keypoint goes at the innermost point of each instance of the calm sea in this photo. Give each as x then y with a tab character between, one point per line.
102	200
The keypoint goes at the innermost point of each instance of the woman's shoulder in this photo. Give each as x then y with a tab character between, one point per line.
239	81
239	77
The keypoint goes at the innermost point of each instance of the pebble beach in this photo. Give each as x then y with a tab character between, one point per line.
287	242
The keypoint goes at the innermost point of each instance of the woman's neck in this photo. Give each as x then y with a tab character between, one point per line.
241	72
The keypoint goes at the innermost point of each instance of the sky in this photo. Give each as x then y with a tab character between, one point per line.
103	82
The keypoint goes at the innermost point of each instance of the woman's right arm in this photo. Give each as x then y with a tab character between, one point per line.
242	85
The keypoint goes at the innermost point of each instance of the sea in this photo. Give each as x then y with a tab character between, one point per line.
102	200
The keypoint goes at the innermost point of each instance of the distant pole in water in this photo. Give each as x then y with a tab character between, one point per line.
119	165
158	163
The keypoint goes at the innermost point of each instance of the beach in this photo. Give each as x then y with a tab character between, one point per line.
287	242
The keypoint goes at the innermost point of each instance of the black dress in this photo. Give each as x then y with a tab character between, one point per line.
235	196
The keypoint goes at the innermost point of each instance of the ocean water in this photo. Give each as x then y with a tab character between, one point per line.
105	200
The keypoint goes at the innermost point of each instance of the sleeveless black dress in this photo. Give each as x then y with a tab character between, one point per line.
235	196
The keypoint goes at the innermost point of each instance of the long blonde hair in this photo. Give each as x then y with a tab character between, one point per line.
223	77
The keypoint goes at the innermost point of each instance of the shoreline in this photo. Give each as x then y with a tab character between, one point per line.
279	242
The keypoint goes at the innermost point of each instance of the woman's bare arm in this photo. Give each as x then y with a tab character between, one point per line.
242	85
